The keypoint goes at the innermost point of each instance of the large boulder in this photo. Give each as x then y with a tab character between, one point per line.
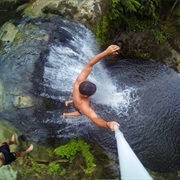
143	45
87	12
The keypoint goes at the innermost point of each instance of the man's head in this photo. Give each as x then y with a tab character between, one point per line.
87	88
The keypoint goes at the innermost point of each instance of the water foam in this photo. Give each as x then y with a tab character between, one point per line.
65	62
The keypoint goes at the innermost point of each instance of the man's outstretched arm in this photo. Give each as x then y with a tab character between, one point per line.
111	50
90	113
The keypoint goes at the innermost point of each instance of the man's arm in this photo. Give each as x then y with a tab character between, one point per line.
90	113
111	50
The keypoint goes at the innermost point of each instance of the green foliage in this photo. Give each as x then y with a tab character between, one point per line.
62	162
68	151
134	24
149	9
72	148
89	158
177	18
160	35
132	15
63	172
34	167
130	5
53	168
101	30
177	21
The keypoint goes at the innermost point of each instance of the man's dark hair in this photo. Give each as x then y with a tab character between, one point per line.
87	88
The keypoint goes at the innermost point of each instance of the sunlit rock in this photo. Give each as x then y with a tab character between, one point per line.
88	12
8	32
23	102
7	172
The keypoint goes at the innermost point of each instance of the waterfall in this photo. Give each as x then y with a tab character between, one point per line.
66	61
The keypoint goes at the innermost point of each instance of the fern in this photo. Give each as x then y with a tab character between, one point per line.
70	150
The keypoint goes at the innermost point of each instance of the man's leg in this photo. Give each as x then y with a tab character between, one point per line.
75	113
22	154
13	140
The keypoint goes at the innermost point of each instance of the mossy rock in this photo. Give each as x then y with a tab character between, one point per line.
23	102
8	32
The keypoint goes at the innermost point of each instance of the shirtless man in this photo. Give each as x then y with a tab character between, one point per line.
83	89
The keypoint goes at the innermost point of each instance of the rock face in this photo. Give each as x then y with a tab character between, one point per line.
12	36
8	32
88	12
142	45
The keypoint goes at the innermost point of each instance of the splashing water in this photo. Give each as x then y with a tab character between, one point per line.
66	61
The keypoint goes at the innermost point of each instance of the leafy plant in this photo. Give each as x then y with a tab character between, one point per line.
63	172
53	168
33	167
133	15
89	158
160	35
68	151
72	148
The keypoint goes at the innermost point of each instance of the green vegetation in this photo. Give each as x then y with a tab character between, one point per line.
138	16
177	18
53	168
72	148
32	167
160	35
72	159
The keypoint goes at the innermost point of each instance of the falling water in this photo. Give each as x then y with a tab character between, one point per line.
66	61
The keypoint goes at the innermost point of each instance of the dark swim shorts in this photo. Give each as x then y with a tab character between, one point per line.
9	157
77	109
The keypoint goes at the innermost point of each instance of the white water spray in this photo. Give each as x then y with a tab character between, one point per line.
66	61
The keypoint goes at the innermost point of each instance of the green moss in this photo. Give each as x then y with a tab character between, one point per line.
129	15
53	168
161	35
32	167
71	159
71	149
101	30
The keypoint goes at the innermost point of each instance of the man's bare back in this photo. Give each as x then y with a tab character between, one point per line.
83	89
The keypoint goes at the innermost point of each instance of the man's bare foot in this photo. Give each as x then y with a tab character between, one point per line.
30	148
14	139
64	115
67	103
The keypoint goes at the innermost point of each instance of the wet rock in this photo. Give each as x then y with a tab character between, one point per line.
40	154
1	95
8	32
23	102
87	12
173	60
142	45
7	172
